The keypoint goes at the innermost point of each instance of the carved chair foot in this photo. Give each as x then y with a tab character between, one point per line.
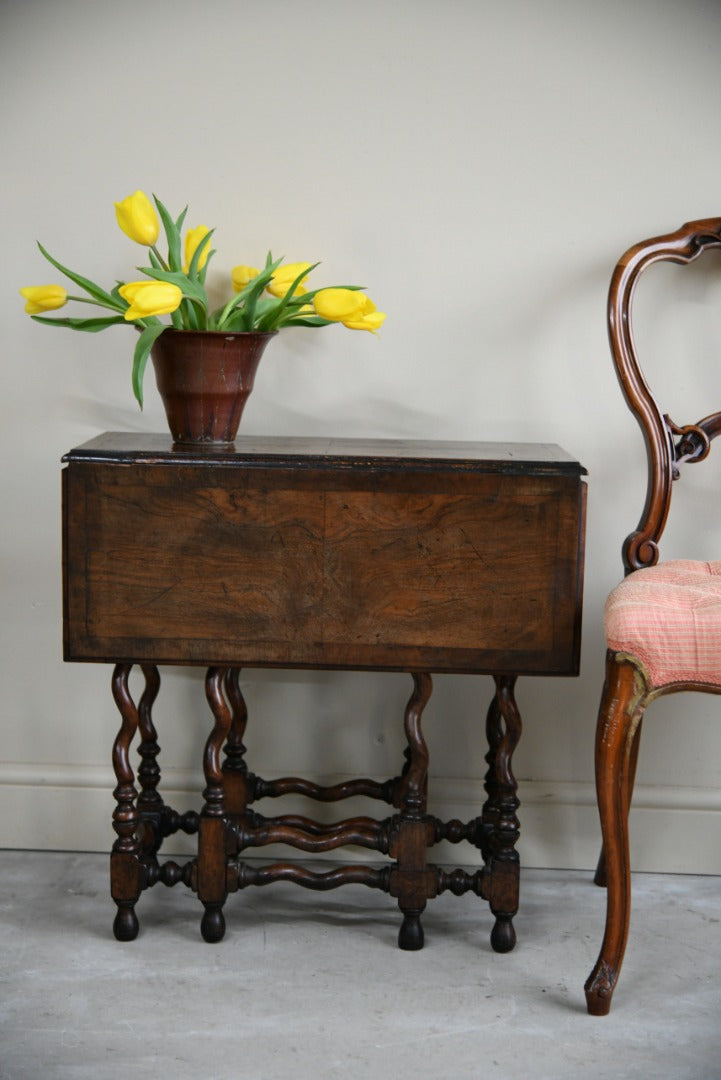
125	925
410	936
503	934
212	925
599	990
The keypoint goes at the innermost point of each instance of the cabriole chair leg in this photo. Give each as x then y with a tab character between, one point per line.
622	706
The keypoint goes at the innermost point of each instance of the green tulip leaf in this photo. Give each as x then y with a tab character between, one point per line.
248	297
202	273
255	302
189	316
181	219
273	320
307	320
90	326
265	304
90	287
140	356
235	323
172	233
192	289
193	268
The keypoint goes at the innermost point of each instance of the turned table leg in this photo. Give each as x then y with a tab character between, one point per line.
150	802
212	856
489	814
500	825
126	869
411	881
237	782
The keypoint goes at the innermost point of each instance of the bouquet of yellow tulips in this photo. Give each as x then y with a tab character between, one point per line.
264	299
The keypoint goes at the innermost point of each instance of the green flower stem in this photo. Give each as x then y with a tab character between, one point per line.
194	312
198	304
99	303
219	319
246	301
275	318
159	257
186	313
249	309
243	299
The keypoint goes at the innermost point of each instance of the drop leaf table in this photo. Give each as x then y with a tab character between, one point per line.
381	555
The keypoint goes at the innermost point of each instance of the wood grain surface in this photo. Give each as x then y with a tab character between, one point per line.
386	562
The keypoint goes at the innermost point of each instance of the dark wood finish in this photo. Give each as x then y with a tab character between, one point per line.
353	559
307	452
126	870
383	555
627	691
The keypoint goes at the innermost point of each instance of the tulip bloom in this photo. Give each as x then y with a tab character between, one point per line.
353	309
148	298
192	240
367	319
44	298
241	275
138	220
284	277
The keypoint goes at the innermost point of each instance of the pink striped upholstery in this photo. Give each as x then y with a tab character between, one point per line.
669	617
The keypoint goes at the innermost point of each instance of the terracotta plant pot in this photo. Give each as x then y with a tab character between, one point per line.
204	378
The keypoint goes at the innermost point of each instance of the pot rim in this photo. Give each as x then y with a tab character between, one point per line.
220	333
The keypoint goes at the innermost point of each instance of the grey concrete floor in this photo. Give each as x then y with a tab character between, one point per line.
312	985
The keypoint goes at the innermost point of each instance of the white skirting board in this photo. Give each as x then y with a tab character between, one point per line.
673	830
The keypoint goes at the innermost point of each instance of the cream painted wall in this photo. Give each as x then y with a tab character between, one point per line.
480	166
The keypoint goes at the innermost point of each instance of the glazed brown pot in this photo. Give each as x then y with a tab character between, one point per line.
204	378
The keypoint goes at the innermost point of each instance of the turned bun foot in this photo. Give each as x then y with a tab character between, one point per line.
212	925
126	925
410	936
503	934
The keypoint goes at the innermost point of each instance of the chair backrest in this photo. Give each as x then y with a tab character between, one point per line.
668	445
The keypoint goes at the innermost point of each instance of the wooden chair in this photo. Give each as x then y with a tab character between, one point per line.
663	622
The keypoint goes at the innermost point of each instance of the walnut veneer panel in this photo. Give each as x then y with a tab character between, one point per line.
382	560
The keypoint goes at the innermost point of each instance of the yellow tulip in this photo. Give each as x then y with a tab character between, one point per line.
367	319
284	277
148	298
241	275
354	309
192	241
338	304
137	218
44	298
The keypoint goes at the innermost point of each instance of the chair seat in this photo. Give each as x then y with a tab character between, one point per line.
668	617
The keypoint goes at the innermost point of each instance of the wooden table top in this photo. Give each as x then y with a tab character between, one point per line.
530	458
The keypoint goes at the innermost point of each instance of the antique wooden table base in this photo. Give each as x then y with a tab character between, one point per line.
317	553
